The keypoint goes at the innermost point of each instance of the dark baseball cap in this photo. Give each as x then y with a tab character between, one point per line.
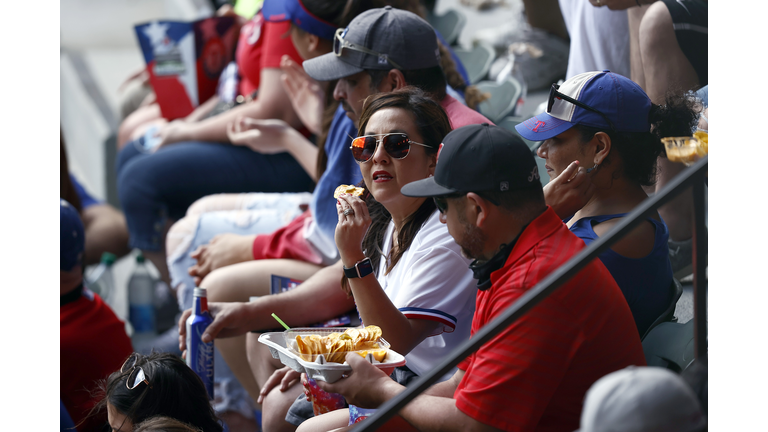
479	158
72	237
380	39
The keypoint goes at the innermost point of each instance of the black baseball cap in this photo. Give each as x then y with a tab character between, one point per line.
479	158
401	40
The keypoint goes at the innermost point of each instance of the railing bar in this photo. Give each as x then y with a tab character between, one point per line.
700	243
528	300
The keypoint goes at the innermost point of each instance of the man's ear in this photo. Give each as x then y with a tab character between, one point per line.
393	81
603	147
314	42
477	209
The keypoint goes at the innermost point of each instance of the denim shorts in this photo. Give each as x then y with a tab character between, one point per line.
155	187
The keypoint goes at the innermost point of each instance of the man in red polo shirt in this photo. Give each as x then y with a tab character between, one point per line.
533	375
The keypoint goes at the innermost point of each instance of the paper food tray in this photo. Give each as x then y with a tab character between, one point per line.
329	372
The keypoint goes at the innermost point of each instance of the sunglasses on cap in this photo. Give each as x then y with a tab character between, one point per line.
339	45
441	202
397	145
137	375
553	93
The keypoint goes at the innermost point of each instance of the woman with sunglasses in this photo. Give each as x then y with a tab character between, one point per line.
601	138
156	385
403	269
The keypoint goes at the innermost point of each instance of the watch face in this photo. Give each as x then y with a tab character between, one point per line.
361	269
364	267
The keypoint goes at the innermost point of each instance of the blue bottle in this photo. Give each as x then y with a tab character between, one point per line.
200	354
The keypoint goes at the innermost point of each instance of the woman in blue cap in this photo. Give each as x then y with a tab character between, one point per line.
601	138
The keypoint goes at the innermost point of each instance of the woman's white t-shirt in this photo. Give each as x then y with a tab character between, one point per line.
431	281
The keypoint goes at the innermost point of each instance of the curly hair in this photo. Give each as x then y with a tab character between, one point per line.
639	151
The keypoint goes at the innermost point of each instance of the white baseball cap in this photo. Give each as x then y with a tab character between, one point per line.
641	399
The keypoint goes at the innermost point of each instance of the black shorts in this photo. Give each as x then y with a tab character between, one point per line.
689	18
301	410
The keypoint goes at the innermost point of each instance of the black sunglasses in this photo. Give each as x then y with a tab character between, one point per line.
397	145
553	93
137	375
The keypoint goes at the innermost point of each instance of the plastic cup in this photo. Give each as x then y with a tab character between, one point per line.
322	401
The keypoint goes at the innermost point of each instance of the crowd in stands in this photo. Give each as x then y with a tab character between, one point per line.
453	225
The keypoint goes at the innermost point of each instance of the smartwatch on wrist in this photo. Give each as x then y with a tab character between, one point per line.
361	269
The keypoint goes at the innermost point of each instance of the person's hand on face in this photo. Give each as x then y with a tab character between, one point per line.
570	191
306	94
260	135
223	250
366	386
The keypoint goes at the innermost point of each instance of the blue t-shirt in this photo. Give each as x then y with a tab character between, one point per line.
646	282
86	199
341	169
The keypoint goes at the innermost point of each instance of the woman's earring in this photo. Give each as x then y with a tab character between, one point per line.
589	170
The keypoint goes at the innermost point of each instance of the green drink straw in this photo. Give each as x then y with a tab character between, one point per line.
280	321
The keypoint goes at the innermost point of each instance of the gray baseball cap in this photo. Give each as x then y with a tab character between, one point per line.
382	39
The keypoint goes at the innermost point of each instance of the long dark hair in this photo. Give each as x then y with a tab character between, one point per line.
639	150
433	125
176	392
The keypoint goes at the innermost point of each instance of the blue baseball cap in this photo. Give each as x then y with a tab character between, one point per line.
294	11
72	237
602	100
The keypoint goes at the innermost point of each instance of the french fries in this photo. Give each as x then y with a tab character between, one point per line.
335	346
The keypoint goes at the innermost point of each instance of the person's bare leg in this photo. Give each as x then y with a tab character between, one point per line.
276	403
105	231
237	283
634	17
546	15
666	68
326	422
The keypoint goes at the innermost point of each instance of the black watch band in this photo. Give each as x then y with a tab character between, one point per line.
361	269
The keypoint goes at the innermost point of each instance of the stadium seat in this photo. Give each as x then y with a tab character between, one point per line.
669	313
449	25
670	345
476	61
504	98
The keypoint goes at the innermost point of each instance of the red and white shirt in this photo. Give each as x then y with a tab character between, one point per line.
533	376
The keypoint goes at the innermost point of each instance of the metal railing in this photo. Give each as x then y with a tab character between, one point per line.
694	177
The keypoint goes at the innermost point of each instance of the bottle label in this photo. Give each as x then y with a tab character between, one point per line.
199	354
142	317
